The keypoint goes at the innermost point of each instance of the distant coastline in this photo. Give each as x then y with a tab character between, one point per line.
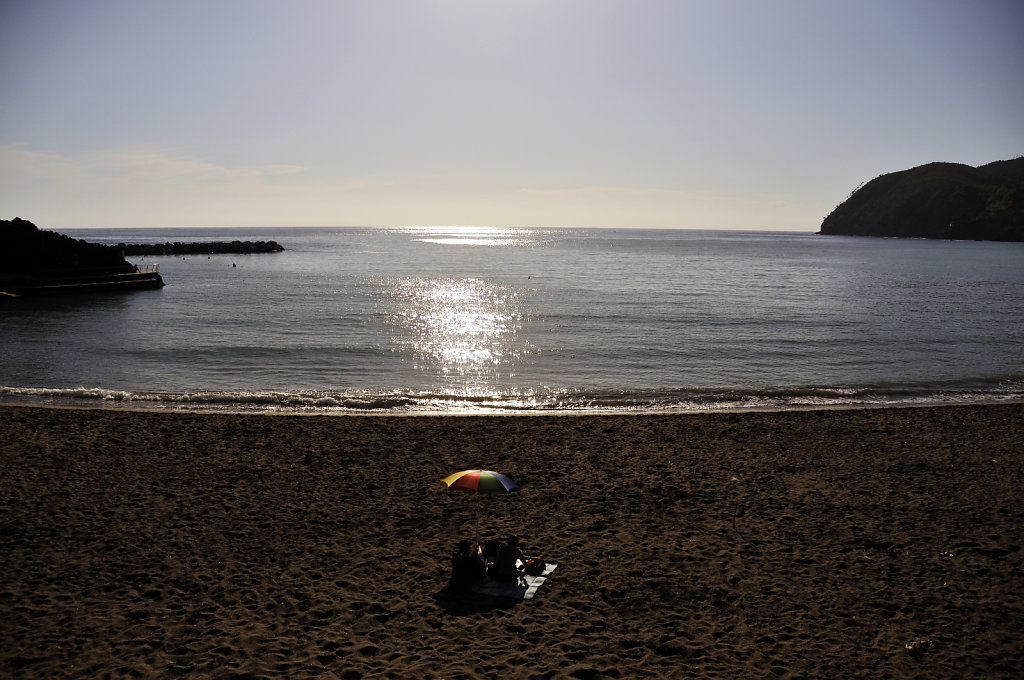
938	201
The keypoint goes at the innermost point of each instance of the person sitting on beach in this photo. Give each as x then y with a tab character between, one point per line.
490	549
467	565
506	566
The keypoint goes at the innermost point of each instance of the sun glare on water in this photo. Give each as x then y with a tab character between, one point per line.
464	329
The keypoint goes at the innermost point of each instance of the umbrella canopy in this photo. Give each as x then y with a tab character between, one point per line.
480	481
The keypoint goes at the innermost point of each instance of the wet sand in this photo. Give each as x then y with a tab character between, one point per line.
800	544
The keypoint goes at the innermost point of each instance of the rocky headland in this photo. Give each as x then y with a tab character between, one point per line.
937	200
38	262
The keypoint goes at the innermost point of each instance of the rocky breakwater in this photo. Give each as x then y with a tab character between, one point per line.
38	262
201	248
937	200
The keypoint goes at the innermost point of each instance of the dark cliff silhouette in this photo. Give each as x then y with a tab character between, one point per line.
38	262
25	247
937	200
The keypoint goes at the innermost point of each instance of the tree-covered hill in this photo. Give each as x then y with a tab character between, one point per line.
937	200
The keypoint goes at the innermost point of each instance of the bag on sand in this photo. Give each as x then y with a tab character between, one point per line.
534	566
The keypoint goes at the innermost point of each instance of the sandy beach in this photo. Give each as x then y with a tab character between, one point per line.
879	543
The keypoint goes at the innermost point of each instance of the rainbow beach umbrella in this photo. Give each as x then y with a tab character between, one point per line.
480	481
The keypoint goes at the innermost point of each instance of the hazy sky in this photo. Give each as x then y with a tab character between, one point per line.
631	113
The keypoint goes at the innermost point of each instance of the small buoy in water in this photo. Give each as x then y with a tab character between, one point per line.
232	264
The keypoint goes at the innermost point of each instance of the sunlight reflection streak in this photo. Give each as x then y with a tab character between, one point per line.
474	236
462	329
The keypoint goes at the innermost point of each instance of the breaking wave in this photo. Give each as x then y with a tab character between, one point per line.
563	401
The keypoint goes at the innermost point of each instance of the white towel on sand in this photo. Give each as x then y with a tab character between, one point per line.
523	589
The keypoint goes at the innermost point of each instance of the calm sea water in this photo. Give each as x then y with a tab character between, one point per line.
476	319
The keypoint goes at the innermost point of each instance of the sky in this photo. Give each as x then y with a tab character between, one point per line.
716	114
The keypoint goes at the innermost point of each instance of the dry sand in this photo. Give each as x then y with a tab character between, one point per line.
811	544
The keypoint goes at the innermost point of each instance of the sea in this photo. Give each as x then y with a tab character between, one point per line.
457	320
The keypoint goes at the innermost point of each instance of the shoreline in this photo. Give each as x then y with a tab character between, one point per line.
341	411
818	543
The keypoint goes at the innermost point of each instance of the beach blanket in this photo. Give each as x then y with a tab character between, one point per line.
523	589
